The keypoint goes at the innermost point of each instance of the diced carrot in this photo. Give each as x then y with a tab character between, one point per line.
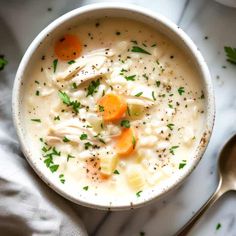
126	142
113	107
68	48
93	170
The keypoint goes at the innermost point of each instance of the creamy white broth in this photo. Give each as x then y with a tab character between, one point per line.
165	109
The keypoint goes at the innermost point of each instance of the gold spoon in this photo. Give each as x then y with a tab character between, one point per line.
227	182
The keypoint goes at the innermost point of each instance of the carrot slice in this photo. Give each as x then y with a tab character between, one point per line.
126	142
112	107
68	48
93	170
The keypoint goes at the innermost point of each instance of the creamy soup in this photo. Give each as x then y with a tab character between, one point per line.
113	108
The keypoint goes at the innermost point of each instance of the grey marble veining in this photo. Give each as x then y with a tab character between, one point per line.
211	26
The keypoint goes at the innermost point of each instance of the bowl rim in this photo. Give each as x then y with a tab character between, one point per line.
206	78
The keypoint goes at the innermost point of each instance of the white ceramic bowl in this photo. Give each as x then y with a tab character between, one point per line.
115	10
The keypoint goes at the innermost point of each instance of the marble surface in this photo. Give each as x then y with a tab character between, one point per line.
211	26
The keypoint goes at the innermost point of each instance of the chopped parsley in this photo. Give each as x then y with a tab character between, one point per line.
170	105
57	118
153	96
62	179
158	83
101	108
36	120
83	136
133	142
154	45
69	157
181	90
66	100
86	188
218	226
74	85
55	65
145	76
49	153
36	81
53	168
138	94
172	149
92	88
71	62
3	62
138	193
182	164
116	172
37	93
66	140
130	78
230	54
170	126
140	50
122	71
102	141
87	145
128	111
125	123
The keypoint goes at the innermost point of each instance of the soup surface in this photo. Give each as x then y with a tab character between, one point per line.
112	109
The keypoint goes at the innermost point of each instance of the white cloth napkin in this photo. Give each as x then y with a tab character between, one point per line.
27	205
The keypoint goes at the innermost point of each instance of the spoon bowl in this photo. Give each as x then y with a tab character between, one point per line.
227	164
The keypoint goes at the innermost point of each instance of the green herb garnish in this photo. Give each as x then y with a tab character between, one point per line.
37	93
101	108
83	136
231	54
218	226
86	188
133	142
130	78
138	193
125	123
66	140
182	164
57	118
158	83
62	179
181	90
153	96
116	172
140	50
55	65
87	145
65	98
71	62
92	88
170	126
69	157
74	85
36	120
138	94
53	168
172	149
3	62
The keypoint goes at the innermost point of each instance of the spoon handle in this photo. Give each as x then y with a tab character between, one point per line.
189	225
